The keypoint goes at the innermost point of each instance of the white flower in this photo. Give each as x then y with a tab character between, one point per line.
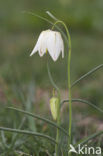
50	41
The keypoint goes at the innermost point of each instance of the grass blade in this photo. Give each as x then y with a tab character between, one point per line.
22	153
45	19
85	140
41	17
3	139
29	106
15	136
28	133
40	118
50	77
84	101
51	15
87	74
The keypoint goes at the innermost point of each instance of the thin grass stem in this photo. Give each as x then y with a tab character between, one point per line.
87	74
85	140
40	118
84	101
28	133
69	80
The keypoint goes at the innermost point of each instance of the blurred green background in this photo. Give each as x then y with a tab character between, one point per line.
20	31
18	35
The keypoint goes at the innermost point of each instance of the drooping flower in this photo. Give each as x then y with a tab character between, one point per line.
50	41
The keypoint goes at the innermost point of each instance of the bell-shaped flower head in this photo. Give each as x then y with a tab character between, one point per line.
50	41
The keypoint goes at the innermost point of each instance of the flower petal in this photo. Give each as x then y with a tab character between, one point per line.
51	41
43	44
54	44
34	50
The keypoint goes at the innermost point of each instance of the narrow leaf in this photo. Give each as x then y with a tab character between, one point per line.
51	15
45	19
51	79
29	106
84	101
87	74
85	140
28	133
40	118
3	139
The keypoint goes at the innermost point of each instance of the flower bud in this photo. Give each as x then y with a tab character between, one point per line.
54	101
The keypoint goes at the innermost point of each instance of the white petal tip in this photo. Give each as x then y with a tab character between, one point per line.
54	59
31	54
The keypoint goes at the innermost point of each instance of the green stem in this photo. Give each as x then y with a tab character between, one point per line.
58	108
69	81
58	123
69	86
